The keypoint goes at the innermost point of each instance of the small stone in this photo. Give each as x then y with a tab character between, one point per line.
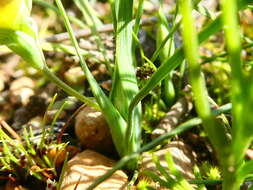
173	118
183	156
2	85
92	130
36	122
102	69
22	82
21	90
249	154
87	166
21	96
74	75
36	106
10	185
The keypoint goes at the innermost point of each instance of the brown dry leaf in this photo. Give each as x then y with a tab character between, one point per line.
87	166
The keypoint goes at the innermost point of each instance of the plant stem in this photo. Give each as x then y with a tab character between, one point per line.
241	141
214	130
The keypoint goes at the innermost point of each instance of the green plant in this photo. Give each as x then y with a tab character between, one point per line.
235	169
32	157
20	35
168	90
230	152
23	40
172	179
151	145
122	109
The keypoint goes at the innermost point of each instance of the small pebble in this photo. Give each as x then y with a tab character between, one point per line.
21	90
183	156
74	75
87	166
92	130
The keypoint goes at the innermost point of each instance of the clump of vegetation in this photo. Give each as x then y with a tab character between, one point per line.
32	157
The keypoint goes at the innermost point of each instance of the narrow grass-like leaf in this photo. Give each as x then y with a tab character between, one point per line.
30	148
160	168
167	88
245	170
125	83
180	181
157	178
7	152
42	140
63	172
89	13
170	64
116	123
172	167
125	86
241	99
214	130
68	89
57	115
137	27
94	23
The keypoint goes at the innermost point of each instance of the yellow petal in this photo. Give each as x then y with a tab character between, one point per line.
11	13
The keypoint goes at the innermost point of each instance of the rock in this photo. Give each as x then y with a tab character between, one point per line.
173	118
87	166
21	96
2	85
74	75
10	185
211	6
6	109
22	82
34	124
7	70
92	130
183	157
36	106
21	90
249	154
